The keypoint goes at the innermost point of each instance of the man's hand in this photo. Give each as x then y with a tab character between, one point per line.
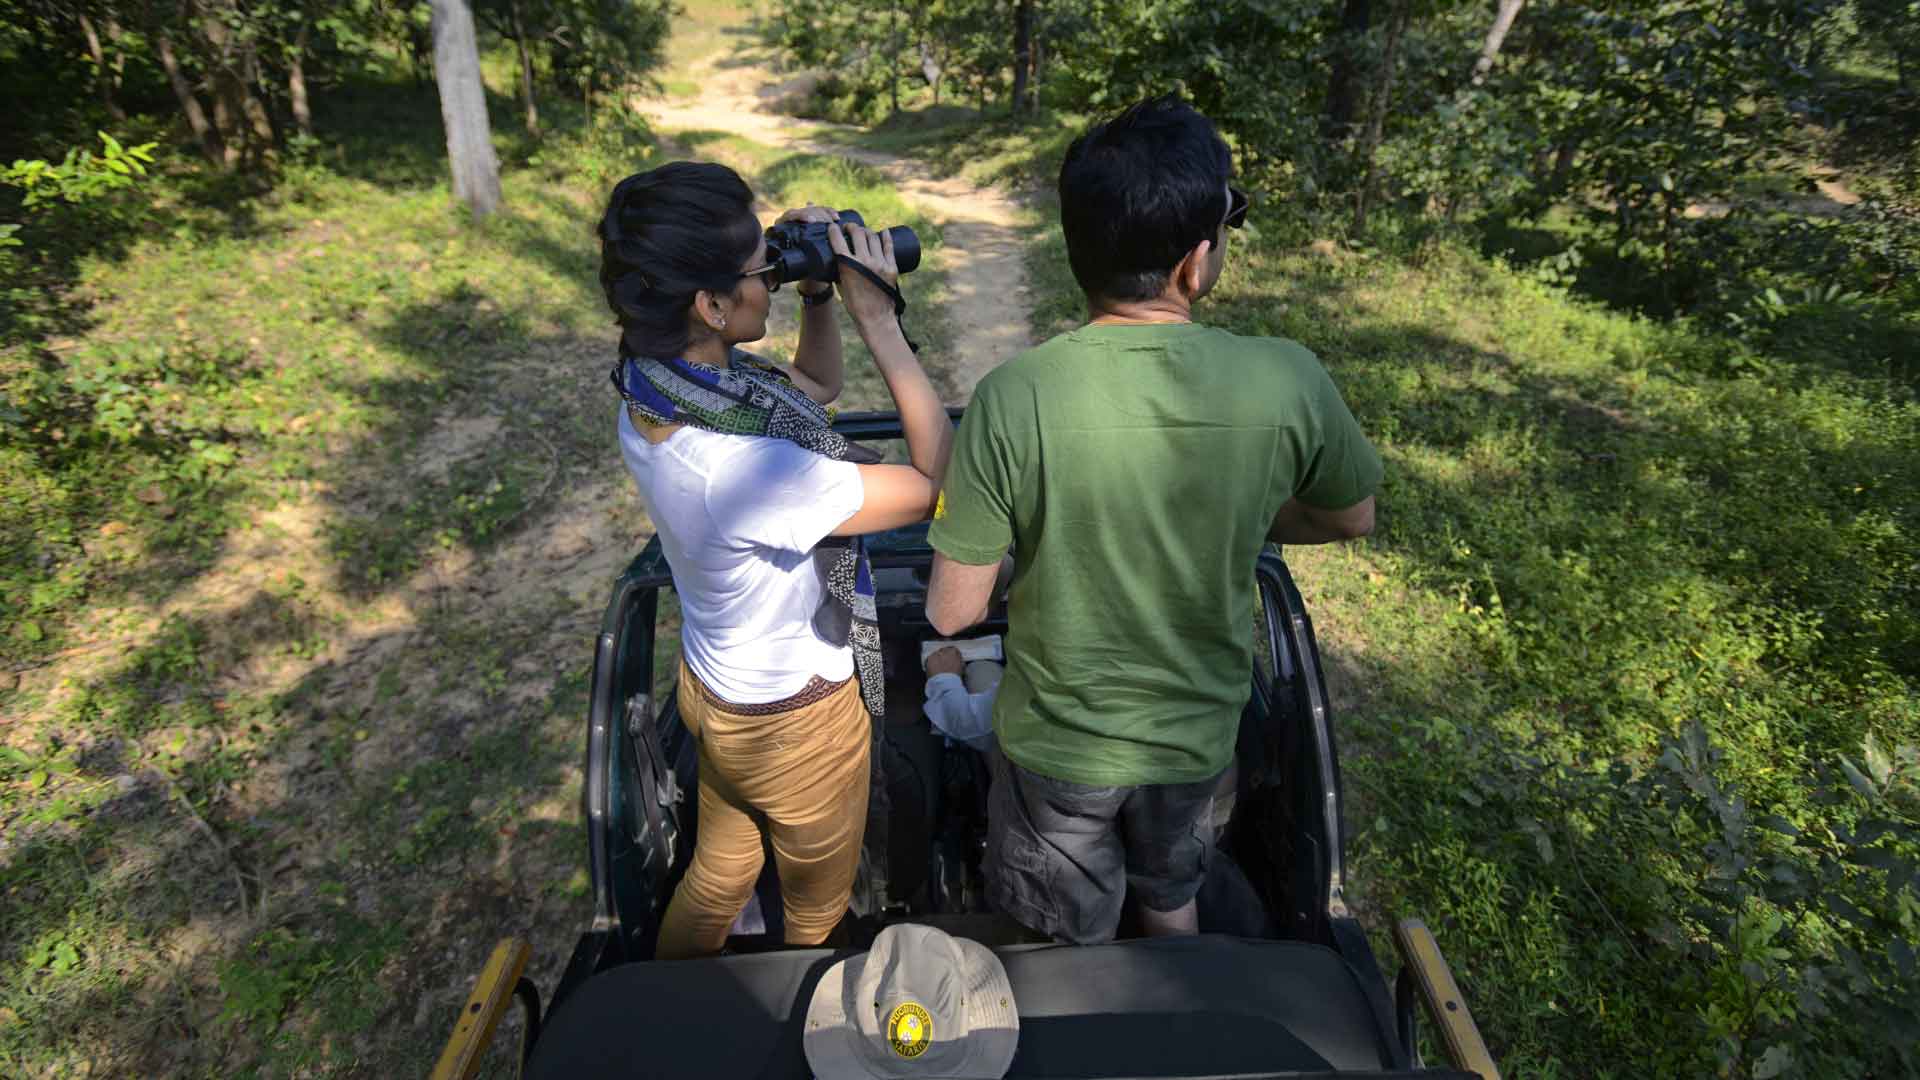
945	661
807	213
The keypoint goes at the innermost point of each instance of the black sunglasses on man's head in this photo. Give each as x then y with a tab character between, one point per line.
1236	208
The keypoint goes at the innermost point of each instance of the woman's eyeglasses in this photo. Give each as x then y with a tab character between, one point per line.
773	283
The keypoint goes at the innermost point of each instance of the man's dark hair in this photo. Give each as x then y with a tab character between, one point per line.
668	233
1137	193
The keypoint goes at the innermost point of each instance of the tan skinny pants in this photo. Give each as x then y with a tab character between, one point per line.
802	776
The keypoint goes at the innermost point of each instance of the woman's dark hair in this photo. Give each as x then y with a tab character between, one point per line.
1137	193
668	233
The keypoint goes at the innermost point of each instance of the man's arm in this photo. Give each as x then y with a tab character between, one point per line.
958	594
1300	523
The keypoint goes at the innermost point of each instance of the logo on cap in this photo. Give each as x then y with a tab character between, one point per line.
909	1030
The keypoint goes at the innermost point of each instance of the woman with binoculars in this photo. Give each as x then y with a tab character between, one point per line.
759	508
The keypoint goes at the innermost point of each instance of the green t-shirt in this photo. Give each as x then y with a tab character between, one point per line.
1135	471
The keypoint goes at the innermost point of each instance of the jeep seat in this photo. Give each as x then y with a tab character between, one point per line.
1196	1006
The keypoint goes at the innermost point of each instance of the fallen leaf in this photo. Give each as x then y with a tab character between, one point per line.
151	494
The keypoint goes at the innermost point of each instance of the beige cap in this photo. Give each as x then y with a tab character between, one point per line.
919	1004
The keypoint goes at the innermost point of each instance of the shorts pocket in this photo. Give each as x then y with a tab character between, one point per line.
1019	869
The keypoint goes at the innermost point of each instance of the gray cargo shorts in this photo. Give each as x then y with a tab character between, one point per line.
1061	855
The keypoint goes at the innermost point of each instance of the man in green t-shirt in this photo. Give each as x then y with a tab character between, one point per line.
1135	467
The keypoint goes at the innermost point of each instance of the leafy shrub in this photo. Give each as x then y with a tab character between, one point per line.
81	176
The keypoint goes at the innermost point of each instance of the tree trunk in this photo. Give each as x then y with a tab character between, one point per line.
893	57
224	110
1562	166
1039	65
297	80
228	106
526	68
1502	22
1377	121
1022	53
209	136
463	107
930	69
103	78
1343	91
260	122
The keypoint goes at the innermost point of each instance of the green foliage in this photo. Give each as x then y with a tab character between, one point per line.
81	176
1653	120
1598	533
877	51
1795	949
585	44
283	966
1893	28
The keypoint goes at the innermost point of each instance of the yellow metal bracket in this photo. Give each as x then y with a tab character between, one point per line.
491	998
1446	1006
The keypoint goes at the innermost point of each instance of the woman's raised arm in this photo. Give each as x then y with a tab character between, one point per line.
894	495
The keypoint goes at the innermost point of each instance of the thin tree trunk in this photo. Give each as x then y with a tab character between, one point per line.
101	75
893	57
526	68
297	80
1022	53
1039	64
1377	121
258	119
224	111
209	136
118	37
1562	166
1343	90
228	106
1489	49
463	107
930	69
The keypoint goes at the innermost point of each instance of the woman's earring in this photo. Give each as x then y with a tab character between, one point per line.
723	322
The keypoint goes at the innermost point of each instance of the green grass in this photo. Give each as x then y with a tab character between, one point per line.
296	661
1596	533
295	669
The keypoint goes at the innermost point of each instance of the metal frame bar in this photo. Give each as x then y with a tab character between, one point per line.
1446	1006
492	996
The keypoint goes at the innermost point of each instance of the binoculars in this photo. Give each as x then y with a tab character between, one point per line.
798	250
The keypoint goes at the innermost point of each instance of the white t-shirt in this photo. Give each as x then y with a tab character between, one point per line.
738	516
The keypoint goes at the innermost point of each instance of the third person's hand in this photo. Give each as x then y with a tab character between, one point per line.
945	661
